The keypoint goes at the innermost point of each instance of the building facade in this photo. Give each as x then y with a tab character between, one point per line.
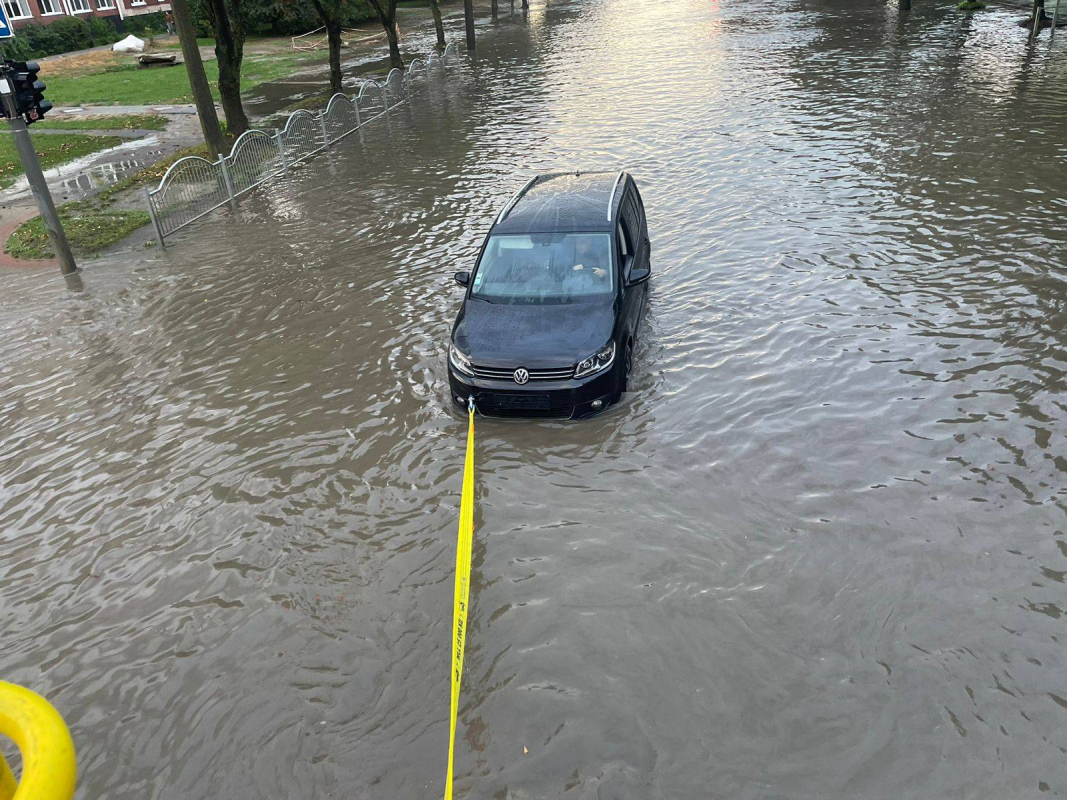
43	12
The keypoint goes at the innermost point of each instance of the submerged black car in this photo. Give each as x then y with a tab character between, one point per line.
552	308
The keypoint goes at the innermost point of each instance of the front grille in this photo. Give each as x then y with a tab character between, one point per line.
501	374
527	413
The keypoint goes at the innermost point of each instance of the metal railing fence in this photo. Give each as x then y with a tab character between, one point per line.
194	187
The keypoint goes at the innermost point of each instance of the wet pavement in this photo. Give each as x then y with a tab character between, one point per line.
818	551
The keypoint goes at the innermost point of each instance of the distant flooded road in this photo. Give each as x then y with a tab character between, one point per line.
818	551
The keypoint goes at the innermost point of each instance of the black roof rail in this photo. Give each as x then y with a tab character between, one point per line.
614	189
518	196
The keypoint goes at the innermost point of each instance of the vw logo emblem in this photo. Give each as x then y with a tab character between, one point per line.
521	375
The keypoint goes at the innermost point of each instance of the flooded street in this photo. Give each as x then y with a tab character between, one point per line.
818	551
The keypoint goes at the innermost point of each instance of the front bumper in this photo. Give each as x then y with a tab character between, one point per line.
571	398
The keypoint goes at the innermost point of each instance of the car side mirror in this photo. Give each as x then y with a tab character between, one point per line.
638	276
462	278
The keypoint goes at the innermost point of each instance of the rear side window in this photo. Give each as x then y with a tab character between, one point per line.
622	233
640	205
629	216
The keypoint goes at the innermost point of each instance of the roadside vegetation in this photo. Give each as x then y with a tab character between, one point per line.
96	223
106	78
89	230
123	122
53	149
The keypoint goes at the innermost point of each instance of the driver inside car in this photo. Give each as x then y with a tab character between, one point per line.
589	273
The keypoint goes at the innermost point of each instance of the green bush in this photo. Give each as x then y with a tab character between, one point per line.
62	36
144	25
102	31
289	17
17	49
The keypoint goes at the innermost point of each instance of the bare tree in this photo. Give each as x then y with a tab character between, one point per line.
228	25
205	105
435	9
330	12
468	21
386	11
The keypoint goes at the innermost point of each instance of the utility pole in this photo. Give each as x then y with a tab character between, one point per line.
20	92
194	65
468	18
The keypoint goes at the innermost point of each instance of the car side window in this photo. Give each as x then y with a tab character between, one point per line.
630	220
640	206
626	247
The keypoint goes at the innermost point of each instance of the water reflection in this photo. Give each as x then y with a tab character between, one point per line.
819	550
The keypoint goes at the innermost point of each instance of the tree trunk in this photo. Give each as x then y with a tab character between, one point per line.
329	12
388	21
230	90
229	49
493	7
333	35
205	105
905	5
435	9
468	20
394	47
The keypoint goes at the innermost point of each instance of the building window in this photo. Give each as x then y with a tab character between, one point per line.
79	6
16	9
105	5
48	7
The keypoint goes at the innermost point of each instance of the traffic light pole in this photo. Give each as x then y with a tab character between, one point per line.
38	186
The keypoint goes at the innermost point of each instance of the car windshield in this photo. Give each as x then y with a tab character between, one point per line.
546	268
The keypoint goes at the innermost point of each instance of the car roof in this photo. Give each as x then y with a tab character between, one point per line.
562	202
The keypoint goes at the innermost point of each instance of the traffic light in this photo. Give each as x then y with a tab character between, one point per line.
29	92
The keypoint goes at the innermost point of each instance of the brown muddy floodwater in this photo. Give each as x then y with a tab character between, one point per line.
817	552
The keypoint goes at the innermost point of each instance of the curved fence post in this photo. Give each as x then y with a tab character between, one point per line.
325	133
359	122
155	219
281	150
227	182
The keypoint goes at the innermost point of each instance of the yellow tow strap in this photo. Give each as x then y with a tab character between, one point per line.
48	767
463	581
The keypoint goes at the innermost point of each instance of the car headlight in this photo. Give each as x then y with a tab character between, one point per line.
601	360
459	361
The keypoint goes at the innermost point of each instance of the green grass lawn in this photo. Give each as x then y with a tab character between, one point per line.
52	149
128	84
129	122
89	230
93	224
174	44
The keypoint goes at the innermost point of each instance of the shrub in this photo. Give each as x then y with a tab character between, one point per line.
62	36
17	49
102	31
145	25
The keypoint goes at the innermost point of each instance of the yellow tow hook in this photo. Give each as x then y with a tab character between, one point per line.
48	765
